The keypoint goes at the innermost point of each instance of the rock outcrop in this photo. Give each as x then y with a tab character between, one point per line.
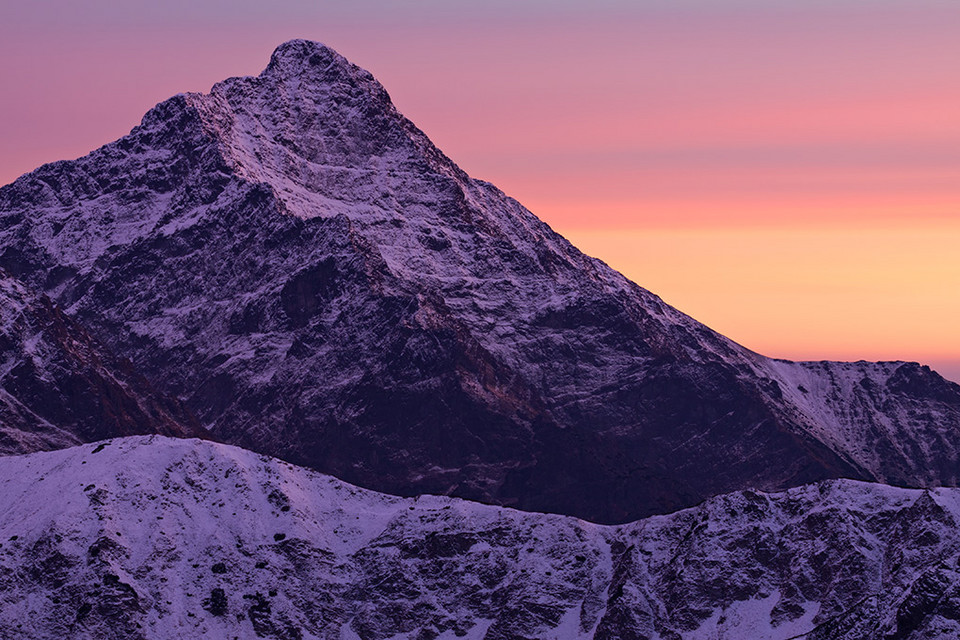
59	387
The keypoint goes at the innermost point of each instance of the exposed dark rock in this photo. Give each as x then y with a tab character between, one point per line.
60	387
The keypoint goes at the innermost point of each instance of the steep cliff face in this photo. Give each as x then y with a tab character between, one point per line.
897	421
150	537
59	387
315	280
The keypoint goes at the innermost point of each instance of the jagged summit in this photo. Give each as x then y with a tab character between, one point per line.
300	265
311	107
294	55
314	62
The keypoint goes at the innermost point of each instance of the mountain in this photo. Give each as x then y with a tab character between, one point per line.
59	387
299	265
151	537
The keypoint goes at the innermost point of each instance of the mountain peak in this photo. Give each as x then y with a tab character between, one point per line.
314	63
311	104
295	261
303	55
306	75
319	72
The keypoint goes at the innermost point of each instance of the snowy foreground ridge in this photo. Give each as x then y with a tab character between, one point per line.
154	537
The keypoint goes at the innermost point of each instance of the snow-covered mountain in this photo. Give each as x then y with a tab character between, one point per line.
59	387
153	537
298	263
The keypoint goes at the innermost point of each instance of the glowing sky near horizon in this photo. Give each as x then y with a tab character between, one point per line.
787	172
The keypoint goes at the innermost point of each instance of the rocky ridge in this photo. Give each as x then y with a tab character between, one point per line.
151	537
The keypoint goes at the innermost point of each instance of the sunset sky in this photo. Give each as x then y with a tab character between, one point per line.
786	172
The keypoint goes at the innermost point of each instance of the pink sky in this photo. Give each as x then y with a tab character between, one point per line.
787	172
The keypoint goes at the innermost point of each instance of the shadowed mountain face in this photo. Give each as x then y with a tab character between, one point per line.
315	280
60	387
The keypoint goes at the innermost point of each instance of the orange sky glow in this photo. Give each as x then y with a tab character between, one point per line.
786	172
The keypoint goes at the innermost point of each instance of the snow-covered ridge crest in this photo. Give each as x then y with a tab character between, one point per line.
149	537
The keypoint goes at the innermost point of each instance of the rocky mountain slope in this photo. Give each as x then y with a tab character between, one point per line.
297	262
60	387
152	537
